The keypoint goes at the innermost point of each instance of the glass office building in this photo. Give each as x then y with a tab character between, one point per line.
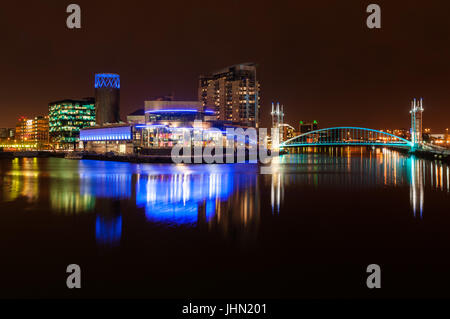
67	118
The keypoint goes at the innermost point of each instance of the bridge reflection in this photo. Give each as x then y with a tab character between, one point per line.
355	168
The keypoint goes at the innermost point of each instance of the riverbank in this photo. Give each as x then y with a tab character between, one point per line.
432	155
31	154
160	156
164	156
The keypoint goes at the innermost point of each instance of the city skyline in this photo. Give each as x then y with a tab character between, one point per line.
307	63
225	158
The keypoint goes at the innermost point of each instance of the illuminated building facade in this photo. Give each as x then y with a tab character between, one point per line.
33	130
233	93
23	129
116	138
67	118
287	132
41	130
165	119
107	97
166	123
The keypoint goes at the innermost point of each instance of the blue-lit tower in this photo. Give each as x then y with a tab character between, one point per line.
107	98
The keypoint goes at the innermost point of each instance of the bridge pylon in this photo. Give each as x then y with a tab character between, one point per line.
416	122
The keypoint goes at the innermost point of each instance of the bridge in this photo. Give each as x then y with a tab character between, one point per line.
359	136
347	136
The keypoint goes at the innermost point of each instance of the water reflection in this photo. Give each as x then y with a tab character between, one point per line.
277	192
22	180
416	186
182	198
356	169
66	197
108	223
211	197
224	199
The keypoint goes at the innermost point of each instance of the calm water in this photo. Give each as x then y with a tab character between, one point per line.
306	230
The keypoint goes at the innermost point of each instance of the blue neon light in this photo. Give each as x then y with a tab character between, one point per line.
150	126
107	80
173	111
106	134
178	111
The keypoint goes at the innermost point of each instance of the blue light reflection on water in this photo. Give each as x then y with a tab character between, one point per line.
108	231
191	195
174	195
176	198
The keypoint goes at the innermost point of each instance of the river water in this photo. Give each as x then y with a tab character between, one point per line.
307	227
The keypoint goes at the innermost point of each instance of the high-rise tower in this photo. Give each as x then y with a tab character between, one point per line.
233	93
107	98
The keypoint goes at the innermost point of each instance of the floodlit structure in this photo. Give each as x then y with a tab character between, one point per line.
416	121
278	120
117	138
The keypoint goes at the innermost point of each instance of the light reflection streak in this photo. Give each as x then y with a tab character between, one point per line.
378	167
416	188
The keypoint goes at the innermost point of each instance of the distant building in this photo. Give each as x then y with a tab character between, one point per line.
67	117
41	130
404	133
308	127
137	117
32	130
107	97
7	134
287	131
233	93
24	129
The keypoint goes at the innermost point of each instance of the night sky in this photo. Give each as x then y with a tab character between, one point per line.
318	58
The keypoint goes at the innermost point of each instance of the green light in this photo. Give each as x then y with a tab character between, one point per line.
301	122
315	122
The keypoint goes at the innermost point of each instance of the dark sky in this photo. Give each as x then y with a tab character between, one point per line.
318	58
